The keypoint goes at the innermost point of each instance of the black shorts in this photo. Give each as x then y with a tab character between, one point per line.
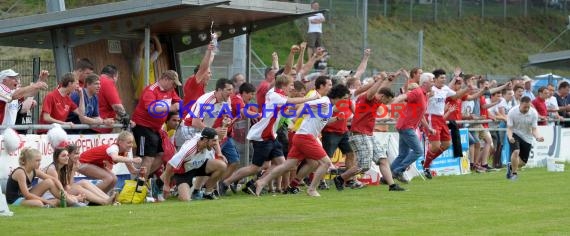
523	147
283	138
265	151
151	139
189	176
332	141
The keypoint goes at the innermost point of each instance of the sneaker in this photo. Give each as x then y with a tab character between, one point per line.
427	173
396	187
234	188
514	177
400	177
291	190
250	187
160	197
211	196
80	204
338	183
323	185
197	195
355	184
383	181
6	213
223	188
509	171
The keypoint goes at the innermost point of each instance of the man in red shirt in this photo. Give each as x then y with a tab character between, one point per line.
110	104
410	148
367	148
539	104
83	67
195	85
264	87
57	104
150	114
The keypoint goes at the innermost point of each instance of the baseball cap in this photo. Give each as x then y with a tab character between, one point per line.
344	73
526	79
209	133
7	73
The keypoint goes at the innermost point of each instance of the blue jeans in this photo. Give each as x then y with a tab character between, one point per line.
409	151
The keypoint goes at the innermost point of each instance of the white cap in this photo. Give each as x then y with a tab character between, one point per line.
7	73
344	73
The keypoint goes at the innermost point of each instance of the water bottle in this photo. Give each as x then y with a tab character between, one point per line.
62	200
215	42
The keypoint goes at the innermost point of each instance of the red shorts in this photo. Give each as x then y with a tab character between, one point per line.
290	135
440	127
306	146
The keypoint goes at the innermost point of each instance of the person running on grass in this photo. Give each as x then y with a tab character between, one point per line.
367	148
522	124
305	141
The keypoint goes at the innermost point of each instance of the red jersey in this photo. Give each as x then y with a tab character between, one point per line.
540	106
484	112
101	154
107	99
262	90
456	114
365	115
192	91
414	110
150	97
340	126
57	106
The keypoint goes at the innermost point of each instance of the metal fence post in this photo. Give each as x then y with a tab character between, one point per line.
460	8
525	12
364	24
385	8
434	10
411	10
420	47
504	10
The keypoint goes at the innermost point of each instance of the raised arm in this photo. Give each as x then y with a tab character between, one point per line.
205	64
290	59
301	58
363	64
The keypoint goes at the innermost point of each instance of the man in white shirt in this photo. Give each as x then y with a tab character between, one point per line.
438	133
11	93
196	158
314	34
522	123
306	144
528	88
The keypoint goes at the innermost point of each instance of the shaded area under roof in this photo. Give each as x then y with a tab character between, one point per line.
127	20
553	60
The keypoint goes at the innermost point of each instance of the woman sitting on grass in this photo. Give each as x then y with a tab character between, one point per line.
97	163
62	168
19	189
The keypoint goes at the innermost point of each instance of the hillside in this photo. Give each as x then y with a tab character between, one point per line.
485	47
489	47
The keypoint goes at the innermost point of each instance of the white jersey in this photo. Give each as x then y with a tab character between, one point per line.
209	109
523	123
266	128
316	28
11	109
189	158
436	103
495	110
320	112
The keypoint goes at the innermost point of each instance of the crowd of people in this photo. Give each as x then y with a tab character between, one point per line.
192	152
